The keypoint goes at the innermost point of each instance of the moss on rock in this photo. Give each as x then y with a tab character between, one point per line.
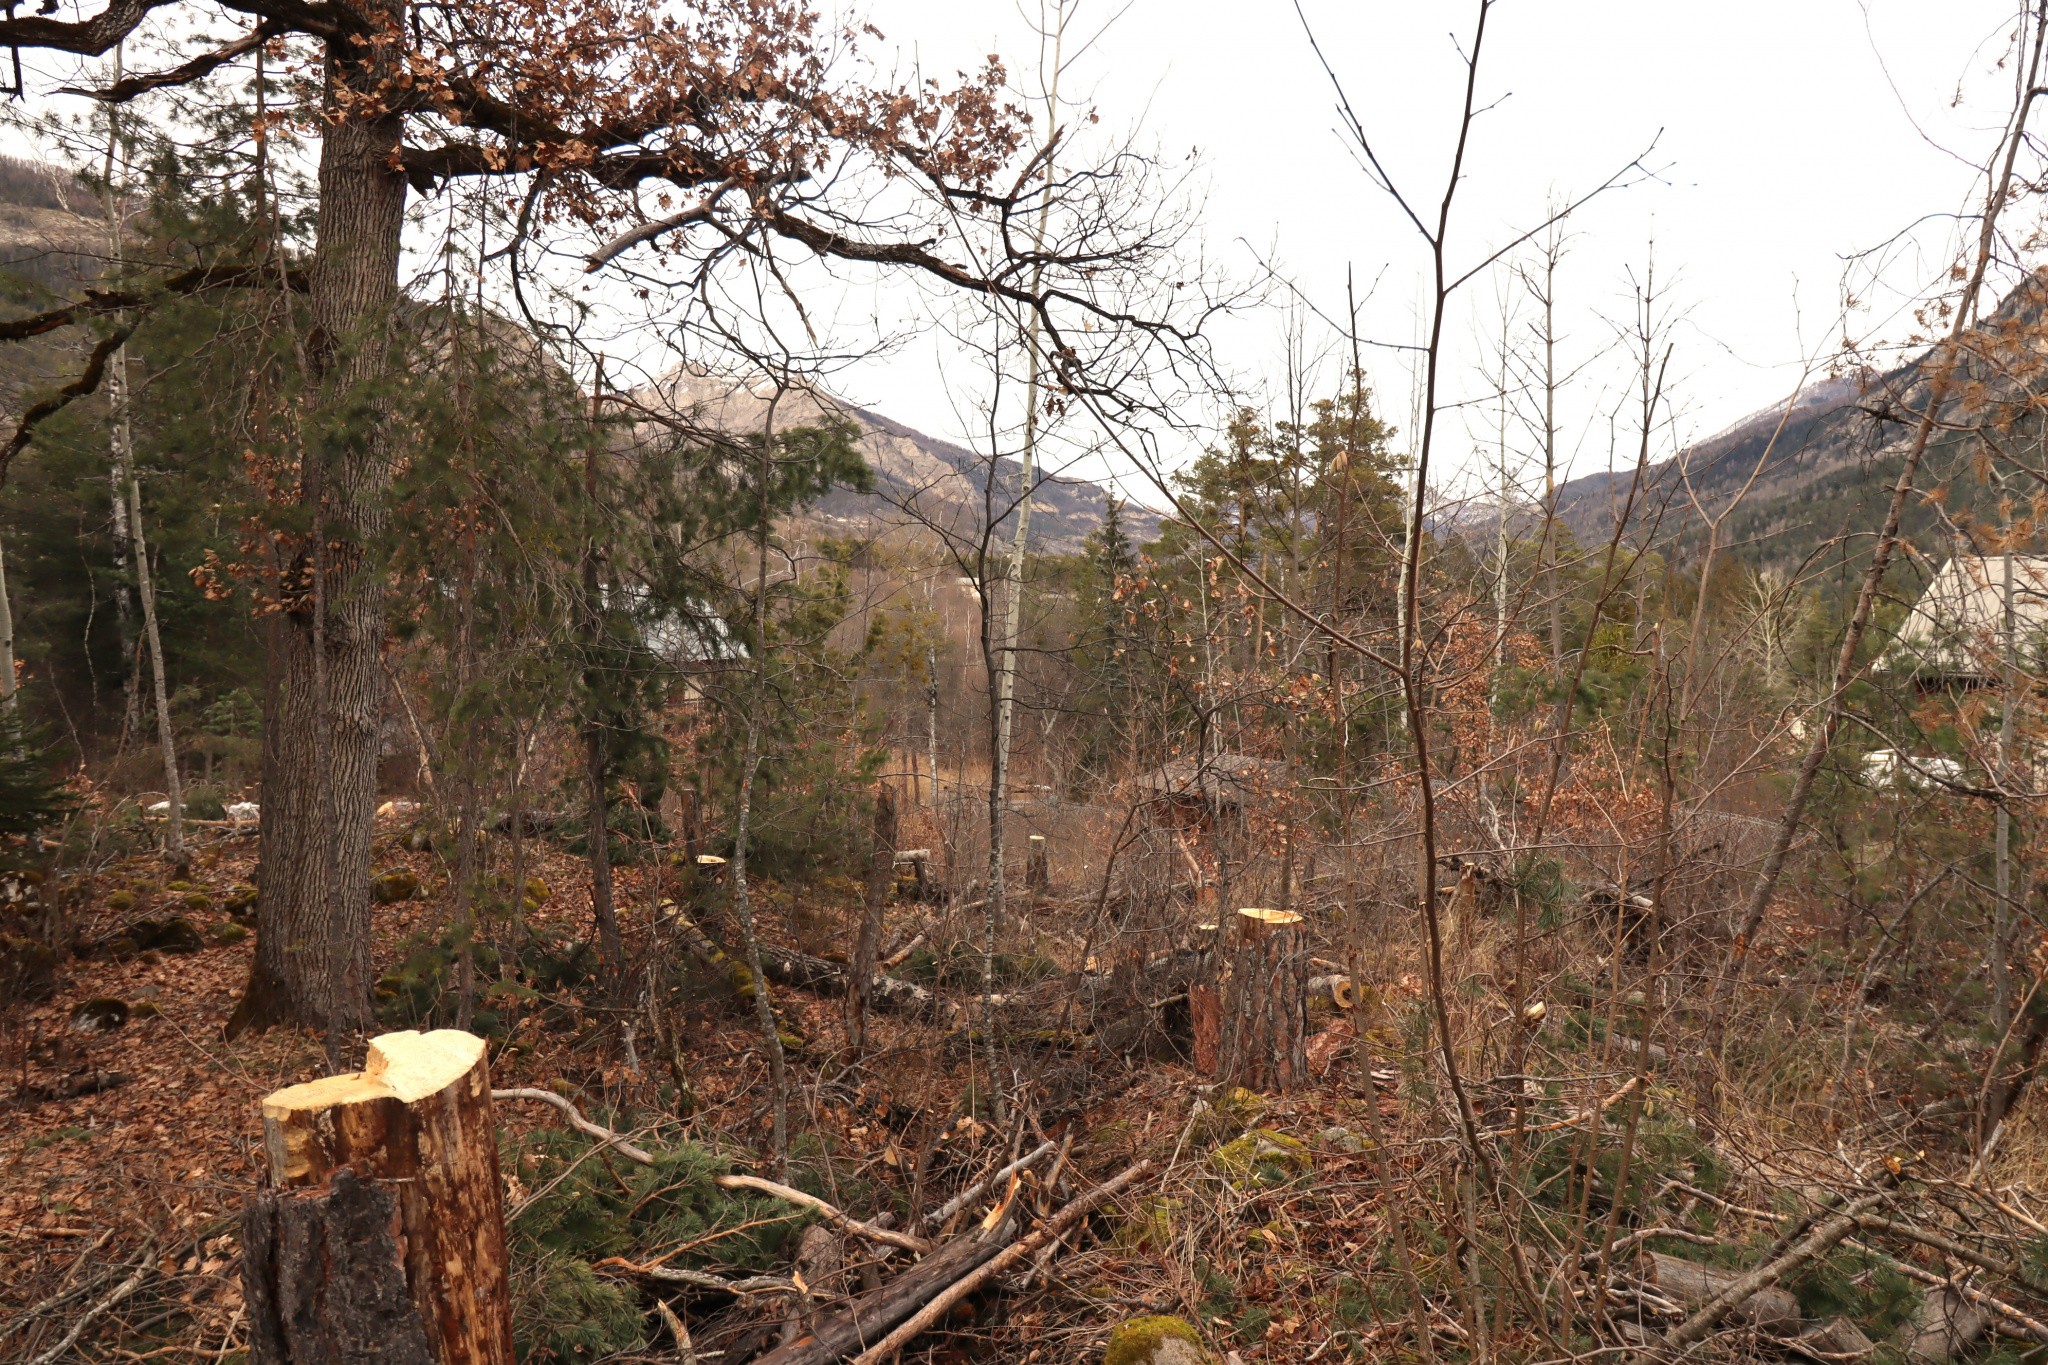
1262	1157
1157	1341
397	884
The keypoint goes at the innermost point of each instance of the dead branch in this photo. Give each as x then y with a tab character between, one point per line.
98	1310
888	1346
830	1213
1815	1243
616	1141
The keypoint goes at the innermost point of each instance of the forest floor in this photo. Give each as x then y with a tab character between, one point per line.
131	1191
148	1171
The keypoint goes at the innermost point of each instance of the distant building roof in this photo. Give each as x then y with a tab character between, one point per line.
1957	628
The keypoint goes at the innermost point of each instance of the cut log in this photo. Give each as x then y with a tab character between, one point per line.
804	971
1037	865
1837	1339
821	1271
834	1336
1943	1327
382	1234
1692	1284
1264	1043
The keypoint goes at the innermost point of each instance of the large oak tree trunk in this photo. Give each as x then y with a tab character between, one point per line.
312	962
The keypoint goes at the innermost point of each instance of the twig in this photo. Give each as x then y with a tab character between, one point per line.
616	1141
2033	1328
830	1213
65	1290
686	1350
92	1314
2012	1269
1591	1113
941	1215
942	1302
701	1279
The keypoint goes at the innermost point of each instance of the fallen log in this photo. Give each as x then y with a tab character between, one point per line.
1051	1229
834	1336
72	1087
1837	1339
1691	1284
1944	1326
911	1302
804	971
1823	1238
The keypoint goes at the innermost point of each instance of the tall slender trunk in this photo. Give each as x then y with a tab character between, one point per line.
750	763
313	952
117	469
2002	917
1005	652
128	507
931	718
6	637
596	742
174	836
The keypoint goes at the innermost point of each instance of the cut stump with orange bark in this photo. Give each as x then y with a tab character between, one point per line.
1264	1044
381	1234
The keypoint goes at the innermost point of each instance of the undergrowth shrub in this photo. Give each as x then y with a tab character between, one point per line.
584	1211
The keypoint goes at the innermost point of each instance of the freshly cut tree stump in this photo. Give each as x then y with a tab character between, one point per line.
1265	1002
1205	1003
382	1235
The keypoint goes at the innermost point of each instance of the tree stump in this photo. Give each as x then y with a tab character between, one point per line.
1205	1003
1037	865
1265	1002
382	1235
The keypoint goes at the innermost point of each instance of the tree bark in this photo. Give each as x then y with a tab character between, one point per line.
382	1237
1264	1043
312	962
881	872
1692	1284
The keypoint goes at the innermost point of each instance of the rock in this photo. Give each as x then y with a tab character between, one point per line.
1262	1157
226	932
102	1015
394	885
173	935
399	809
1149	1226
198	902
1344	1139
243	812
240	901
121	901
28	968
1157	1341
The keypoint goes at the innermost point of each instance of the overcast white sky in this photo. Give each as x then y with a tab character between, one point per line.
1790	134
